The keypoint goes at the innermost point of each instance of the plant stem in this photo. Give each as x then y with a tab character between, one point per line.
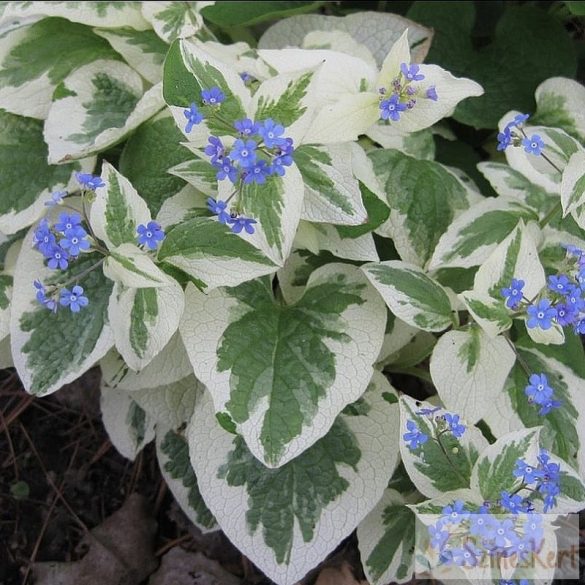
550	215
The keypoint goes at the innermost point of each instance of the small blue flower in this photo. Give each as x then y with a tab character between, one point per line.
504	139
512	502
246	127
214	149
428	411
513	293
213	96
257	173
271	133
150	234
411	72
549	406
533	529
519	120
67	221
573	250
239	223
431	93
504	532
246	77
456	513
439	536
74	299
580	327
218	208
279	163
528	473
42	298
89	181
541	315
533	145
480	524
58	259
390	109
454	425
43	238
226	169
580	278
414	437
467	556
566	314
56	198
538	390
574	299
244	152
75	240
193	116
559	284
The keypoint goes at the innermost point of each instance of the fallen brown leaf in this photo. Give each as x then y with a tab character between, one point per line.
120	551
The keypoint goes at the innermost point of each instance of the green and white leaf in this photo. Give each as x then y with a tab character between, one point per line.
469	370
321	495
493	470
172	452
146	319
141	49
475	234
555	335
170	405
127	425
117	209
515	257
185	205
169	366
340	41
198	172
102	14
132	267
276	206
420	145
211	253
6	360
378	31
411	295
100	104
284	372
437	468
24	193
573	183
424	198
174	20
559	104
398	335
332	194
49	349
35	59
386	539
5	298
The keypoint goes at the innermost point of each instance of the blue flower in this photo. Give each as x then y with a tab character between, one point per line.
240	223
67	221
439	536
213	96
75	240
246	77
431	93
573	250
533	145
43	238
56	198
74	299
193	116
150	234
566	314
244	152
411	73
226	169
533	529
454	425
246	127
580	278
414	437
574	300
58	259
428	411
541	315
390	109
538	390
518	546
271	133
559	284
455	513
504	532
519	120
512	502
504	139
257	173
513	293
42	298
214	149
279	163
549	406
89	181
218	208
528	473
580	327
480	524
467	555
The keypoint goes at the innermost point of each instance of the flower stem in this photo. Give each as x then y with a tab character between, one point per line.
85	272
550	215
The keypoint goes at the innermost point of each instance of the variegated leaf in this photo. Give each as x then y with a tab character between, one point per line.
174	20
132	267
573	183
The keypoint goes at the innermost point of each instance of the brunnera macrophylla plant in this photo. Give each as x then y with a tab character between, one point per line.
266	248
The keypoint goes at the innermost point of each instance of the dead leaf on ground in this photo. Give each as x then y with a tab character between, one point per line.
180	567
338	576
120	551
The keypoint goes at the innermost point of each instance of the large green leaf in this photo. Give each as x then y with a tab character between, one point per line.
284	372
289	519
529	46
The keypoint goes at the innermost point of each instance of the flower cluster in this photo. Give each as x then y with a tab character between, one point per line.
545	478
514	135
440	424
403	94
539	392
150	235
